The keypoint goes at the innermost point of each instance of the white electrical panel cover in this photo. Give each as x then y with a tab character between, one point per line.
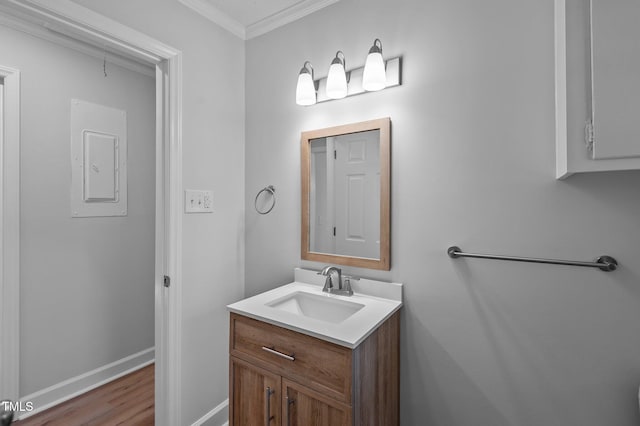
98	160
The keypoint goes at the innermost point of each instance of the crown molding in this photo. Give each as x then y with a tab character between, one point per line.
216	16
285	16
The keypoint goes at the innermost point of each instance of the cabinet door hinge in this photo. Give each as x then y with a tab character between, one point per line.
167	281
334	231
589	138
335	154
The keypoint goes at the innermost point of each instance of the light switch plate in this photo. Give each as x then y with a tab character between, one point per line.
198	201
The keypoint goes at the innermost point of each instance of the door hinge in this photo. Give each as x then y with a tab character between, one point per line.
334	231
335	154
589	137
167	281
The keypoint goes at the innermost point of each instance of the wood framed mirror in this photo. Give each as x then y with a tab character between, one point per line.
346	194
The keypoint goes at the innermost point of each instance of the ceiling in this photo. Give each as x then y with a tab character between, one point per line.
250	18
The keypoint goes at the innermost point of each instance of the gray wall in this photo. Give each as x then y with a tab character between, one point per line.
483	342
86	283
213	153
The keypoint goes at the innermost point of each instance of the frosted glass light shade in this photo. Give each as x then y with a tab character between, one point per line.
374	76
336	80
306	90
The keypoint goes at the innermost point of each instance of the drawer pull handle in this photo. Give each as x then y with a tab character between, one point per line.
272	350
267	396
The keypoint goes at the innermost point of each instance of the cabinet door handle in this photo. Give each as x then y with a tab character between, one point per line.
267	396
288	402
272	350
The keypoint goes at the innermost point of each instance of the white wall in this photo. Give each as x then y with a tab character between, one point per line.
213	151
87	284
483	342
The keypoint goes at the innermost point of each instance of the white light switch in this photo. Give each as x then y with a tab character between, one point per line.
198	201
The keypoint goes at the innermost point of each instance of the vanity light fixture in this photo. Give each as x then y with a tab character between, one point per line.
337	78
306	89
374	76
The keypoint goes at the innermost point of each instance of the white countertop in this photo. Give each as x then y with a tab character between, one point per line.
380	301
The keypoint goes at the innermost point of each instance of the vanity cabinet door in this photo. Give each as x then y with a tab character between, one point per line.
302	406
255	395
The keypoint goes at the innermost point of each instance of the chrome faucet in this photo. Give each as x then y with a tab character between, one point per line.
343	287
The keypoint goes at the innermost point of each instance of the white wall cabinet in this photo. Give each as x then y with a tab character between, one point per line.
597	86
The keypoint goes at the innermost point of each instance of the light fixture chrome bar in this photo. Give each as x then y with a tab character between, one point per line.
604	263
354	80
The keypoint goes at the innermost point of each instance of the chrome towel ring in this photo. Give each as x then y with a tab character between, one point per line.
271	189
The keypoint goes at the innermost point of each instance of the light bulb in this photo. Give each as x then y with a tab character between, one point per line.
337	78
306	89
374	76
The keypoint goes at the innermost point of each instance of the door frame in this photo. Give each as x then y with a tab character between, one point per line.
10	234
85	25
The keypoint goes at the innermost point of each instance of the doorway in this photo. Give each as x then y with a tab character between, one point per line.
111	36
87	210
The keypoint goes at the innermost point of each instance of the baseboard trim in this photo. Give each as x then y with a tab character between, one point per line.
70	388
219	416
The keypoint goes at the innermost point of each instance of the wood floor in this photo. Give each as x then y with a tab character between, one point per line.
128	401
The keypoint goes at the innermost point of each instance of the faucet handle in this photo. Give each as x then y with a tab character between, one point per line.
346	281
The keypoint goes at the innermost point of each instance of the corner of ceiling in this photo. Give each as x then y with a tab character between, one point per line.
285	16
263	26
216	16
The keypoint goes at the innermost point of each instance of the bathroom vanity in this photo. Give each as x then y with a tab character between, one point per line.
299	356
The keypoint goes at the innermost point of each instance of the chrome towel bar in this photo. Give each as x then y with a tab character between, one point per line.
604	263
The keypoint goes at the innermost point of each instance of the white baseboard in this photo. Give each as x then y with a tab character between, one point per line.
70	388
215	417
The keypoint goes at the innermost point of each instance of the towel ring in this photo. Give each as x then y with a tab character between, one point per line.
270	189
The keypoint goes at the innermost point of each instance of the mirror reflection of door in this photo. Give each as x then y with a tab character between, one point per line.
321	199
345	195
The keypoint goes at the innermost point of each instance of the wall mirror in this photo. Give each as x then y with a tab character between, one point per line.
346	185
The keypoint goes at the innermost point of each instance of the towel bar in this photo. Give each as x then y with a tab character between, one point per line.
604	263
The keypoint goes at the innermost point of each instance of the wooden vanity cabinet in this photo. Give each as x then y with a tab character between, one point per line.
281	377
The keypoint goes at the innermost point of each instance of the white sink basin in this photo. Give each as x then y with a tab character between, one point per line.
302	306
318	306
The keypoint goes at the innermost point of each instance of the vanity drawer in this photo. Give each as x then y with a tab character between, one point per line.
320	365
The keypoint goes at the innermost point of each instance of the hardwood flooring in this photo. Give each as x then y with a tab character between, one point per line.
127	401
